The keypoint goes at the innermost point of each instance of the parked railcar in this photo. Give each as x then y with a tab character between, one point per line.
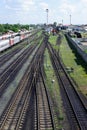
22	36
0	37
16	39
6	36
4	45
9	40
14	34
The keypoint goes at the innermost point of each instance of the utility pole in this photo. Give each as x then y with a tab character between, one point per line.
47	10
70	19
62	21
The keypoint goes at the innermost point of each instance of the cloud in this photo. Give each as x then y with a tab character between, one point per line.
18	10
35	10
26	4
23	5
67	8
44	5
84	1
76	9
6	1
10	8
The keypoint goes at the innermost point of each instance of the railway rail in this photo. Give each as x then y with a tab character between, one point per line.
15	114
9	73
4	58
78	111
44	113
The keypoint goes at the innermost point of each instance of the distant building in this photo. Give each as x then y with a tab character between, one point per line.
85	27
49	29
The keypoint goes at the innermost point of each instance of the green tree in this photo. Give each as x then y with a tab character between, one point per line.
1	29
55	24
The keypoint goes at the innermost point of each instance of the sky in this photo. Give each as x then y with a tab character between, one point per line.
34	11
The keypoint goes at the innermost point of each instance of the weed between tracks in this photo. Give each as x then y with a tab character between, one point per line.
54	90
39	33
72	59
53	41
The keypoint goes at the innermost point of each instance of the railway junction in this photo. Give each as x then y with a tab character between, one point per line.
36	90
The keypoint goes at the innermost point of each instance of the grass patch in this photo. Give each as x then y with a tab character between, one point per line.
84	35
72	59
39	33
53	89
53	41
85	51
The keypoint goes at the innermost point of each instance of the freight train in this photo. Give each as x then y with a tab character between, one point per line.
7	41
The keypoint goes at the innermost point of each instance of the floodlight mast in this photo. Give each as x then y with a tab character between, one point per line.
70	19
47	10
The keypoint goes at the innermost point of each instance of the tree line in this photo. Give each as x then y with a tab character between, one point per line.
4	28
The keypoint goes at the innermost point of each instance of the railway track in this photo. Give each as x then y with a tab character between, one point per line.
43	110
15	112
9	74
29	107
25	98
76	109
4	58
44	114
